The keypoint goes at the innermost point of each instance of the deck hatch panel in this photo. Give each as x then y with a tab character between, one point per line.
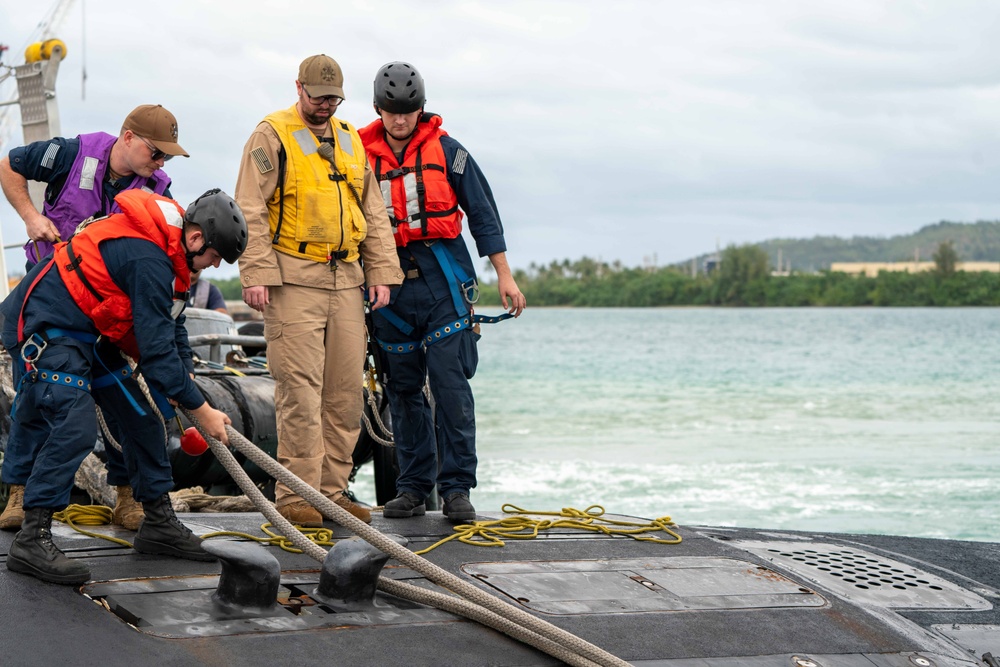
642	585
976	639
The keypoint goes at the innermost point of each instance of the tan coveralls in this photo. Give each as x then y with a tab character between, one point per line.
314	326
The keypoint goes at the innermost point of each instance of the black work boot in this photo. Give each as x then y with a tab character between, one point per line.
32	552
457	508
161	532
404	505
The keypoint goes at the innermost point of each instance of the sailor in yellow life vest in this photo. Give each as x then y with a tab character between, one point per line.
318	231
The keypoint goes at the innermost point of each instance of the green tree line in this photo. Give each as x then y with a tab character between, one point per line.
742	278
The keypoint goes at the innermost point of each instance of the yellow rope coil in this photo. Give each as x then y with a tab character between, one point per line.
75	516
320	536
521	527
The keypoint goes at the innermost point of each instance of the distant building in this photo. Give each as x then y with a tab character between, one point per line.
871	269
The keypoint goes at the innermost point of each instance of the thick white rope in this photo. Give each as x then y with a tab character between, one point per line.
378	420
491	610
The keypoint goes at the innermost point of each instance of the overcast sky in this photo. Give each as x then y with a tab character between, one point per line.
620	130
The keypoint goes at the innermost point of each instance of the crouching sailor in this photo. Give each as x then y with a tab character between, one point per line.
120	284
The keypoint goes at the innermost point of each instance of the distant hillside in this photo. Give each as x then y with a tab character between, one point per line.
974	242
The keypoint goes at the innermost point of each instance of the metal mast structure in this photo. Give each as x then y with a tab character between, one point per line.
35	96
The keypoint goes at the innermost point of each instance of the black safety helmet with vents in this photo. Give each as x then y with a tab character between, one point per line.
399	88
222	224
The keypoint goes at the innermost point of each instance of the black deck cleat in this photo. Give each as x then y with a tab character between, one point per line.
250	576
350	574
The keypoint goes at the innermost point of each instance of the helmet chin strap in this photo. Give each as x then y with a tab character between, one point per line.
189	255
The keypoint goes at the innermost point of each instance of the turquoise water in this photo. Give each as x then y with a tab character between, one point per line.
854	420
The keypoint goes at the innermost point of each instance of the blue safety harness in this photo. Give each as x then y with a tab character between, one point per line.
464	293
34	345
37	342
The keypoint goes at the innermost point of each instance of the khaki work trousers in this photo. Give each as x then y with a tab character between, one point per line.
315	352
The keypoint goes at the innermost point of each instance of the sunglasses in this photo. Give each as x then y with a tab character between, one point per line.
157	154
332	100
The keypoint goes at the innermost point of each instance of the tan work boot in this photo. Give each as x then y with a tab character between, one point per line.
128	512
13	516
357	510
301	513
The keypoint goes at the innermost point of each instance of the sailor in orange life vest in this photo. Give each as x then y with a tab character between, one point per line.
318	232
124	279
427	180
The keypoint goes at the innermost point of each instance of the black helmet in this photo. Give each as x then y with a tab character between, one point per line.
399	88
222	223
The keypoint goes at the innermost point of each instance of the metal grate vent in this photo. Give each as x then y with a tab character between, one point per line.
864	576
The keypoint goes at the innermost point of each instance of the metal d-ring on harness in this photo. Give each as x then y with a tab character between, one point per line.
31	351
464	293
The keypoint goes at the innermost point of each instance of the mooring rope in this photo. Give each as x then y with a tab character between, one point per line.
485	608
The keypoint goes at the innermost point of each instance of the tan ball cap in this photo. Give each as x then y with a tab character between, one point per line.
156	125
322	76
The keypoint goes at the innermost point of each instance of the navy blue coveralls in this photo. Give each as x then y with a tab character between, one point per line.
55	426
36	162
425	303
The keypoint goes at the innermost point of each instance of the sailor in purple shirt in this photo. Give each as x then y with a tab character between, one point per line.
84	174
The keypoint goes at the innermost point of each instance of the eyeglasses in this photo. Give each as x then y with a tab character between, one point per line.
332	100
157	154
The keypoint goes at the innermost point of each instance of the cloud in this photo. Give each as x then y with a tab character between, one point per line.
614	130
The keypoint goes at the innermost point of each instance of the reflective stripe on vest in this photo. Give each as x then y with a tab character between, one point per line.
412	200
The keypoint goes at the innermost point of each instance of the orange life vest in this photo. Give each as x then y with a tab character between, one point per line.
144	216
417	195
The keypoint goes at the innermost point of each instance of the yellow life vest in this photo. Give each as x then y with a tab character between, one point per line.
315	212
